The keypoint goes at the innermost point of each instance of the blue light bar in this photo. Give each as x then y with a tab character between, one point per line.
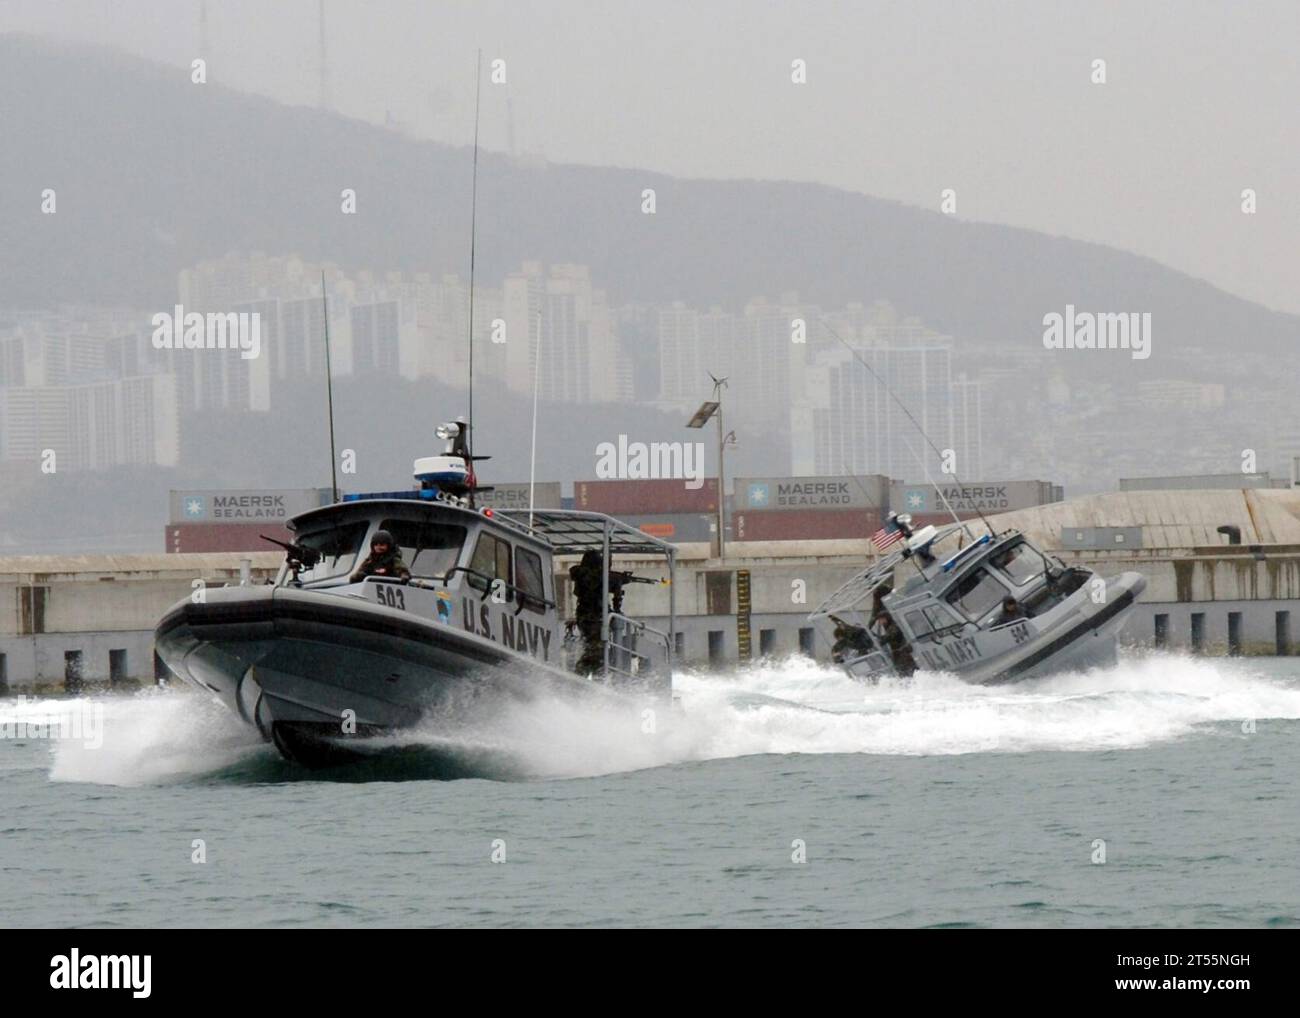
947	566
422	494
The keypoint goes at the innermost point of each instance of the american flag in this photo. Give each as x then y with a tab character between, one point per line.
886	536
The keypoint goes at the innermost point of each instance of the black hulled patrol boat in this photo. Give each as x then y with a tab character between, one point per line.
988	609
323	658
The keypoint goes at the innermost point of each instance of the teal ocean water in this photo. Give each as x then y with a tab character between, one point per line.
786	795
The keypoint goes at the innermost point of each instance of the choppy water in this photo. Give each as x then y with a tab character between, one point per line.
928	803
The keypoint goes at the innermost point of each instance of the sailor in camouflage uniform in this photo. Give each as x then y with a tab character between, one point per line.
384	560
588	586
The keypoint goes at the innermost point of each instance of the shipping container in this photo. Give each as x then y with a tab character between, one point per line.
244	505
971	496
194	537
514	495
676	528
646	497
805	525
870	491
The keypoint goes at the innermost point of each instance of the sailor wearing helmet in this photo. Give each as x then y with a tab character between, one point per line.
384	560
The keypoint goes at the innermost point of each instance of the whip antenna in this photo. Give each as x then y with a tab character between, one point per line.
329	386
473	237
537	376
915	423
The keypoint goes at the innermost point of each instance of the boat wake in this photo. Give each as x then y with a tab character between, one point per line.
783	707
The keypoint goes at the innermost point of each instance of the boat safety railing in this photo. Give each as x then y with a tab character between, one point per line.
872	663
522	598
863	586
520	595
943	632
623	651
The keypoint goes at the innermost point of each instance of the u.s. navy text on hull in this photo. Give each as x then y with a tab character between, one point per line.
514	631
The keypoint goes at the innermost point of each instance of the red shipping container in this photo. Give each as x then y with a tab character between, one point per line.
804	524
194	537
651	497
678	528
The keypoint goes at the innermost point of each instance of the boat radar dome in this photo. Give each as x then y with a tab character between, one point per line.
921	538
441	471
449	472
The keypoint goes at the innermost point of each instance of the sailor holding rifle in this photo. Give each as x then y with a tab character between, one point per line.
588	580
588	583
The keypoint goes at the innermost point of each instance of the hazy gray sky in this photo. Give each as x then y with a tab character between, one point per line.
903	99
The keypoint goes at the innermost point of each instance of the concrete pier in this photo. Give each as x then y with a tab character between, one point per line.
69	622
72	622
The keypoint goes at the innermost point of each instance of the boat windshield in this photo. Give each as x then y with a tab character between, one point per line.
935	618
429	549
1020	563
338	547
977	594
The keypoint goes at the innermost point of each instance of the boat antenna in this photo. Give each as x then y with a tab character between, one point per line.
537	375
863	488
844	468
925	469
915	423
473	236
329	386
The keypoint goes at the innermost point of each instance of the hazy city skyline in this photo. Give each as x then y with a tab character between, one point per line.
901	101
631	308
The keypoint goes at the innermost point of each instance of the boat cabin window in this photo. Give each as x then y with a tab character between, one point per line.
977	594
925	621
338	547
1020	562
529	579
491	559
918	624
429	549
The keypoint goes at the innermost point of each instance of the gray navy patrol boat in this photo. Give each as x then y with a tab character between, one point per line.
988	609
320	662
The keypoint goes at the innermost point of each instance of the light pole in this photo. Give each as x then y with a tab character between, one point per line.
713	408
